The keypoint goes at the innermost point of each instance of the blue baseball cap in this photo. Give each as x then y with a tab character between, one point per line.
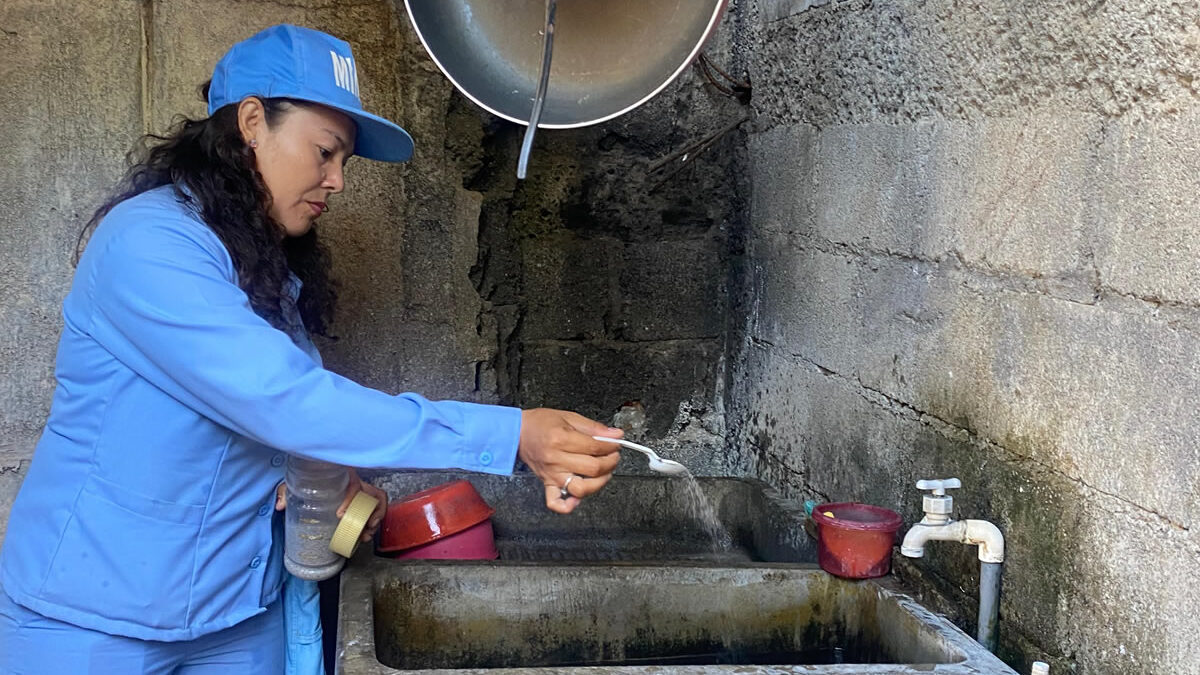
307	65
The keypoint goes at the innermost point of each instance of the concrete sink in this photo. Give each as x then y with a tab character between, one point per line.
604	591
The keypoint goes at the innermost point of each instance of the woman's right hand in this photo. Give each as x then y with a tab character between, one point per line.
558	447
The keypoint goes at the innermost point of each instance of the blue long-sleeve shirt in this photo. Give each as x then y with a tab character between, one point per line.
147	508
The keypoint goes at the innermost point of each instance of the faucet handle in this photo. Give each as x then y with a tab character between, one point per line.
939	505
940	486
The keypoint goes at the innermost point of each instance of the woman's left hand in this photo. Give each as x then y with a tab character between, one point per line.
355	486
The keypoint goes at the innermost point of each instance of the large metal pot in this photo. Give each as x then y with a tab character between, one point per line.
610	56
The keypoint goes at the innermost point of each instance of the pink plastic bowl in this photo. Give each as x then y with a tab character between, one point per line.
474	543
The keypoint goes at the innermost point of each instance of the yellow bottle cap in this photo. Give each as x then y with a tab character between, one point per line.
346	536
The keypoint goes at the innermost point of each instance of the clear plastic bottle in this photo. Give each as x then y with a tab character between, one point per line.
315	490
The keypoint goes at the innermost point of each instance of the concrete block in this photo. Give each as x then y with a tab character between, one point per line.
783	187
1015	196
1149	246
672	290
568	286
859	62
1136	622
804	300
436	256
802	425
435	360
595	379
1009	196
188	39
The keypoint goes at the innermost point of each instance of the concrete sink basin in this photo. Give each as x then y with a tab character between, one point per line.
606	591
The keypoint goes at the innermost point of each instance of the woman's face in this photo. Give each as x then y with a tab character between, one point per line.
300	157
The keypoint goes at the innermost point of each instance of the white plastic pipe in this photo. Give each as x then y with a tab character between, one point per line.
978	533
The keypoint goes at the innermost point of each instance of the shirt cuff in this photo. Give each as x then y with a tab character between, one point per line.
490	444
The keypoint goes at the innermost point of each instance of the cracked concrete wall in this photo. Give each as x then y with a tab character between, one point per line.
973	253
604	272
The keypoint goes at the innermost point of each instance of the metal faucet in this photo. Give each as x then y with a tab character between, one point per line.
938	525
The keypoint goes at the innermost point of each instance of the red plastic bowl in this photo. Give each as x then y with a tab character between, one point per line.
430	515
856	543
477	542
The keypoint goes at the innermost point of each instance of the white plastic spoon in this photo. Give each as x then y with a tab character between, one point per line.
667	466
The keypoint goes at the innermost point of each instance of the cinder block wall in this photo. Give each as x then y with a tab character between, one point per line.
579	288
973	253
607	273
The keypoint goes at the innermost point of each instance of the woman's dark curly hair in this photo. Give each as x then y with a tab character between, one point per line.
210	159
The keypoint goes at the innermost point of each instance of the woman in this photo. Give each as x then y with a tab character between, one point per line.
142	539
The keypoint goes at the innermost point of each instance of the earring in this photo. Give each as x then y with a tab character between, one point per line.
253	142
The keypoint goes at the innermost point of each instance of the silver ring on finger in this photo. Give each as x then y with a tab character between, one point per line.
562	492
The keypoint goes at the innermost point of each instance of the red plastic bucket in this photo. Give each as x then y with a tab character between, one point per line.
855	542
